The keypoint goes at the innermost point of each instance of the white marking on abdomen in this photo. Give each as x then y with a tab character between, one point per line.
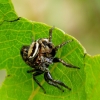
36	49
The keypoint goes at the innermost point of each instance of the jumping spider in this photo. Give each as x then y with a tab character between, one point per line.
39	55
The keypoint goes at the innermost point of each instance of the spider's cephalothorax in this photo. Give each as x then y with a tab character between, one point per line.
39	55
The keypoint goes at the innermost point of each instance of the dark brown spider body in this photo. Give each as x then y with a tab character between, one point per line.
39	55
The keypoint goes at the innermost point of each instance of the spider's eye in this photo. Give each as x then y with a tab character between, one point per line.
44	42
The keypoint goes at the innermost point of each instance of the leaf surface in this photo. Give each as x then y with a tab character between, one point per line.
18	84
92	69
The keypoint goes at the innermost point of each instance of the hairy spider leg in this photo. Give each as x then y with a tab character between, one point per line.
62	44
50	34
56	83
36	73
55	60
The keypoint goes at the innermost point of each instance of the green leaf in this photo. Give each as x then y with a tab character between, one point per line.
92	68
19	85
7	12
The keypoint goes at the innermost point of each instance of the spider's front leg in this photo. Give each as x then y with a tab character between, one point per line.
36	73
50	34
55	60
56	83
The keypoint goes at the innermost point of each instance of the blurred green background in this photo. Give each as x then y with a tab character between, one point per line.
79	18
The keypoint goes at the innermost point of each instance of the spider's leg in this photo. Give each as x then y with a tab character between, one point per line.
53	82
62	44
34	77
64	63
50	34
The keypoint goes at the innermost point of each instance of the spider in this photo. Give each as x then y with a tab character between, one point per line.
39	55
